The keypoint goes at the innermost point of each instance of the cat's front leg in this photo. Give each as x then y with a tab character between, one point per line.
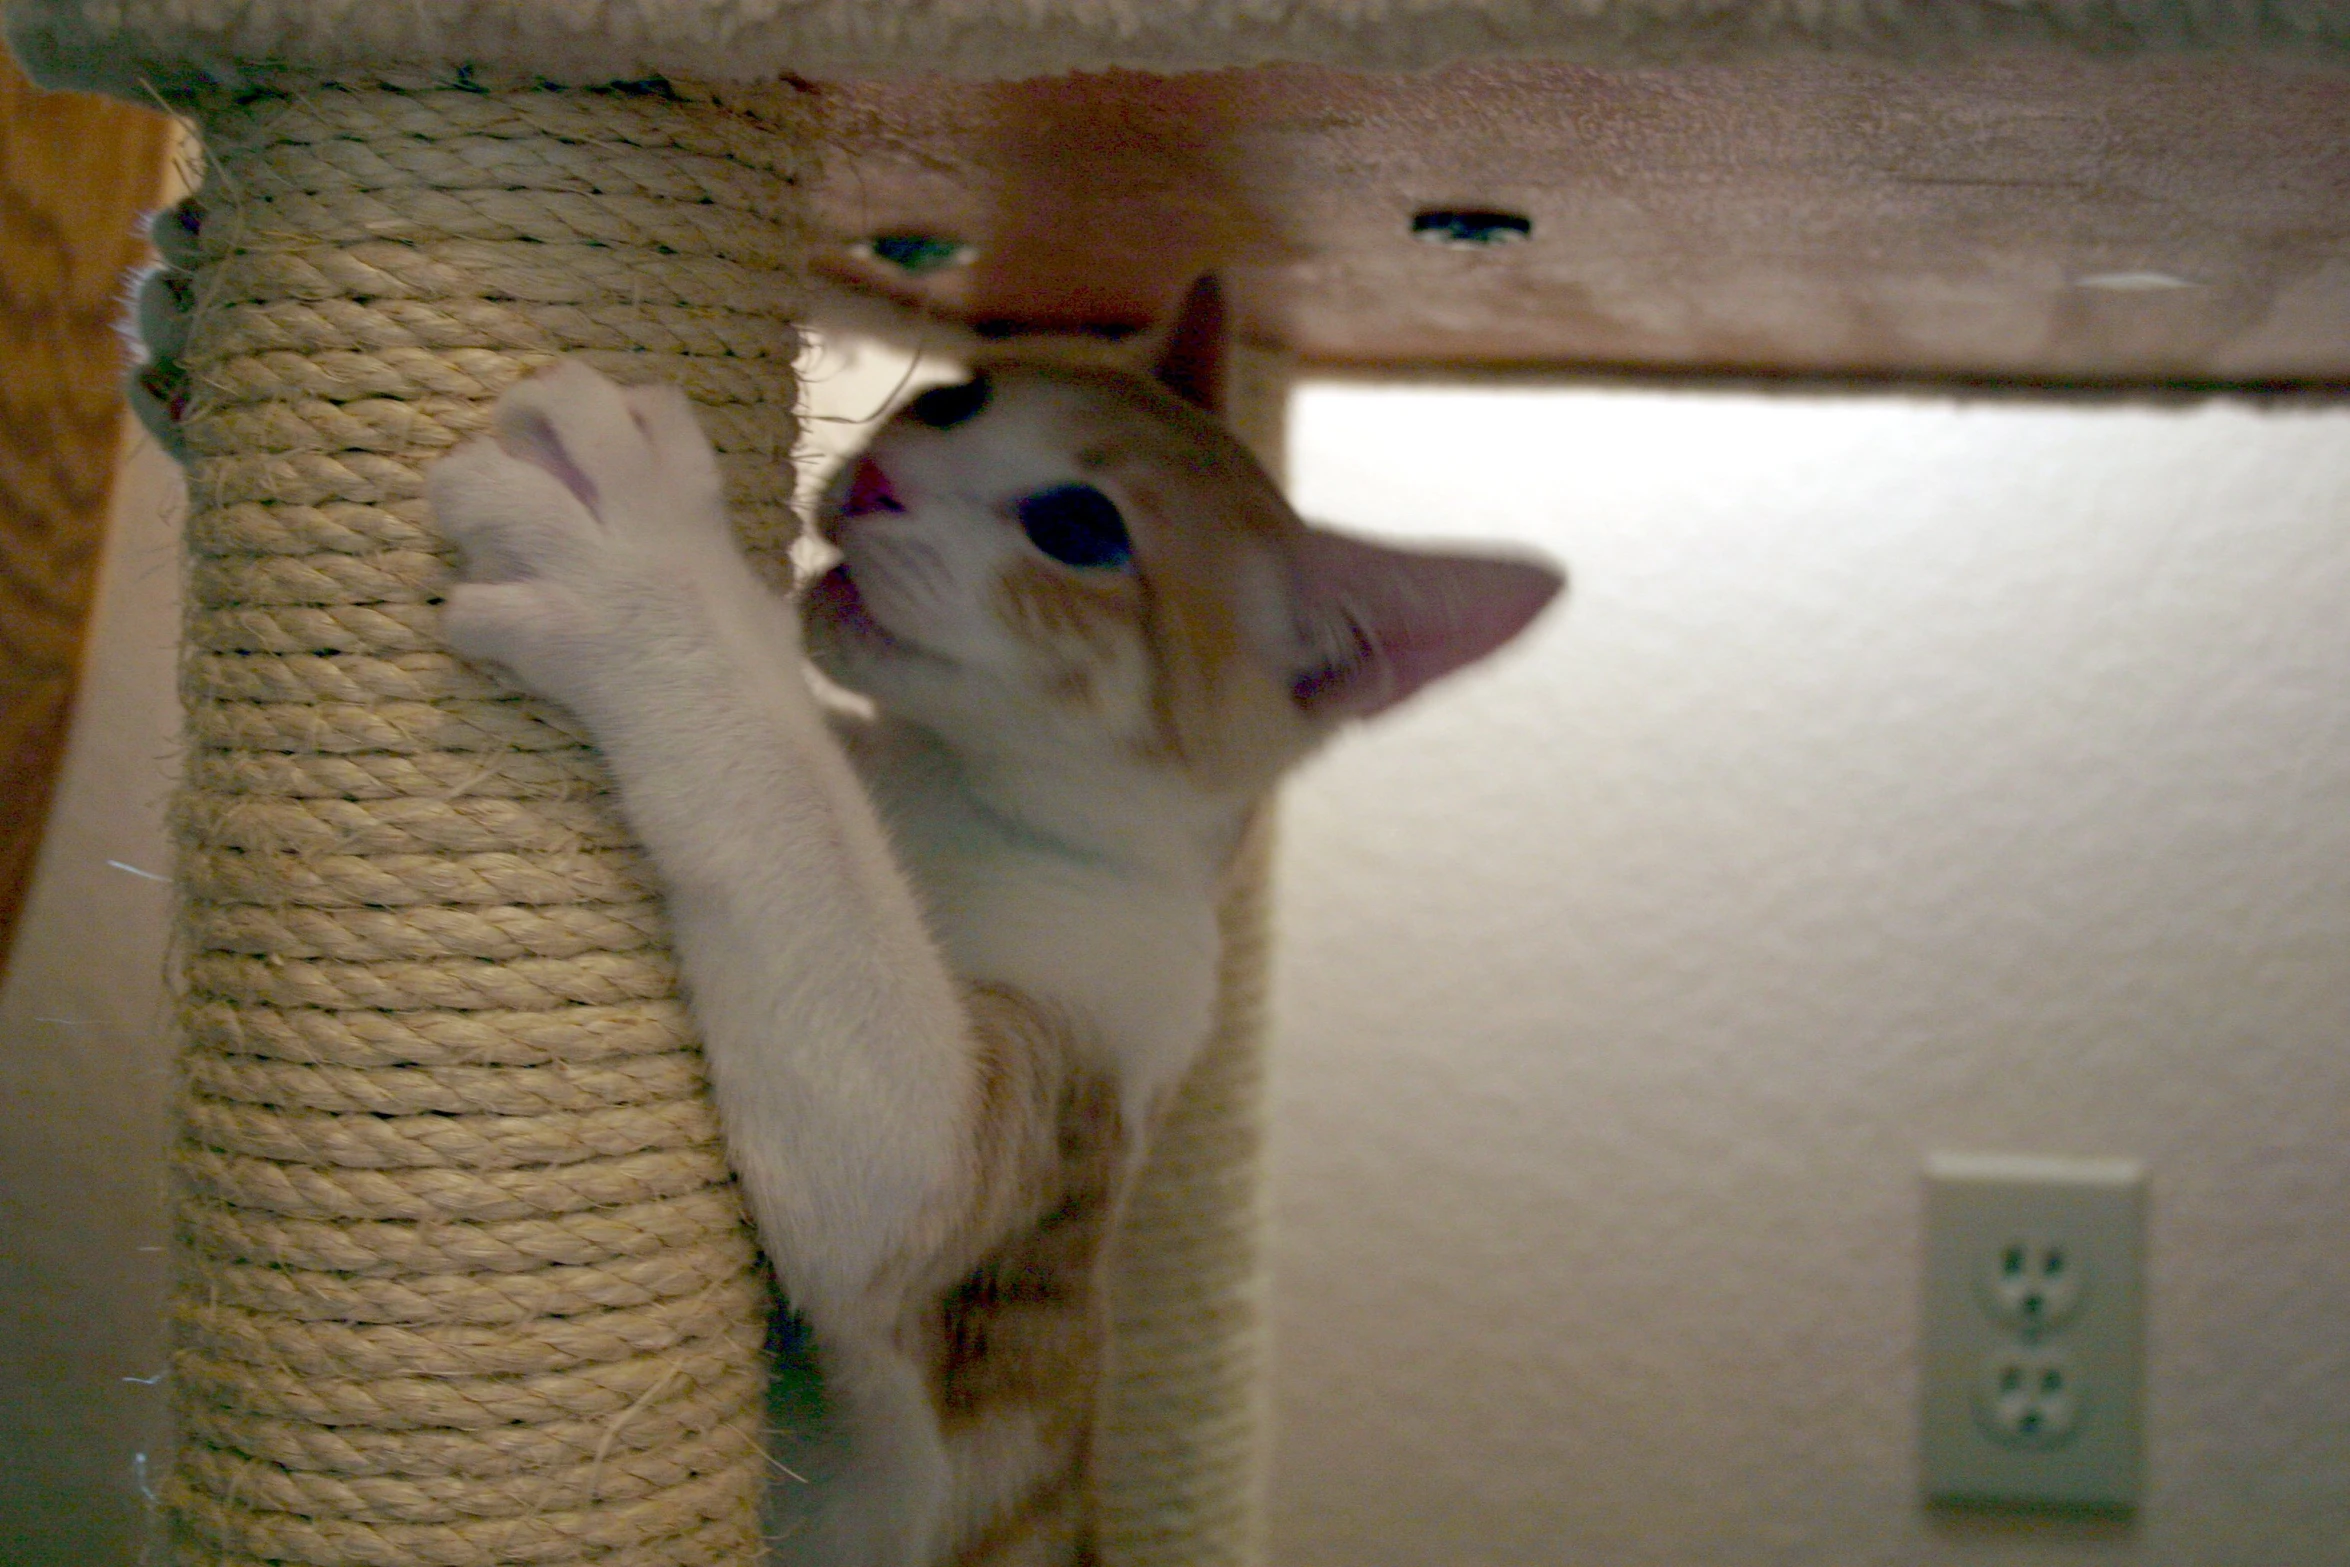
598	569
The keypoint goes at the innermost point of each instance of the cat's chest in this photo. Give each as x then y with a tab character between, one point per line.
1128	959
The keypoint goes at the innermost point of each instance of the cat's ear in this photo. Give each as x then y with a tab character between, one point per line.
1377	623
1186	352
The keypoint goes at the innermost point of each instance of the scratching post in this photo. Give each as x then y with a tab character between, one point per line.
463	1279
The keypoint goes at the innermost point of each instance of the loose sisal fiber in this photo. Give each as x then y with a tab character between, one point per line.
463	1280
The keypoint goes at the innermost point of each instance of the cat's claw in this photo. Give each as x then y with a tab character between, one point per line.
592	531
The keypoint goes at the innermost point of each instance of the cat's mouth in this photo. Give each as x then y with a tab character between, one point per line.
836	599
869	491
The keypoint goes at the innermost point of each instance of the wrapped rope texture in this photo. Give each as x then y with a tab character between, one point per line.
463	1280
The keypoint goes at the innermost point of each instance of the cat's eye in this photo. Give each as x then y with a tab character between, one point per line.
1076	525
944	407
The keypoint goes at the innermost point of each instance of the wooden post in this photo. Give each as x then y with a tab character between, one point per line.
76	173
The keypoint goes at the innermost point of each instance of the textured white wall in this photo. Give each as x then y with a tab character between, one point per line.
85	1070
1901	776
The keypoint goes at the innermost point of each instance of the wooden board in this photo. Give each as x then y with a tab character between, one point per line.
2037	217
75	173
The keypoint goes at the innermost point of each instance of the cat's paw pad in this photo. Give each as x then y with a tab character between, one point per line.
581	479
633	455
591	512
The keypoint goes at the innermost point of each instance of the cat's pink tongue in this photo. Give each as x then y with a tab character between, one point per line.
869	491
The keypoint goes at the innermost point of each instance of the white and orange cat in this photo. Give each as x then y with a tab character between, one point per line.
949	957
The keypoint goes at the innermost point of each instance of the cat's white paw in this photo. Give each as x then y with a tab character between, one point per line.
592	529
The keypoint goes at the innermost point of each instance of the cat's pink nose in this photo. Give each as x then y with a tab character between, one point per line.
869	491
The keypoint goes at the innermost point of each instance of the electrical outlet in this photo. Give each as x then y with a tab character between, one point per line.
2031	1330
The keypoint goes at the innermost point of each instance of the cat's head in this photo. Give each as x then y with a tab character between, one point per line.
1056	557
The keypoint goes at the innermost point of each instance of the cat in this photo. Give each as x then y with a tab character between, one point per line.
952	950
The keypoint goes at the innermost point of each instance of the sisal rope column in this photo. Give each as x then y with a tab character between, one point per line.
463	1280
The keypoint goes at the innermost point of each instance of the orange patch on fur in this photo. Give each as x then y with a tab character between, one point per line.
1049	1529
1048	608
1023	1325
1193	634
1021	1332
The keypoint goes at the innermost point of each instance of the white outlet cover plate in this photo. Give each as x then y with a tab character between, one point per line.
1983	1437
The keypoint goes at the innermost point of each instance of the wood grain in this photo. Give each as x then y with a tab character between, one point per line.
75	173
2034	216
